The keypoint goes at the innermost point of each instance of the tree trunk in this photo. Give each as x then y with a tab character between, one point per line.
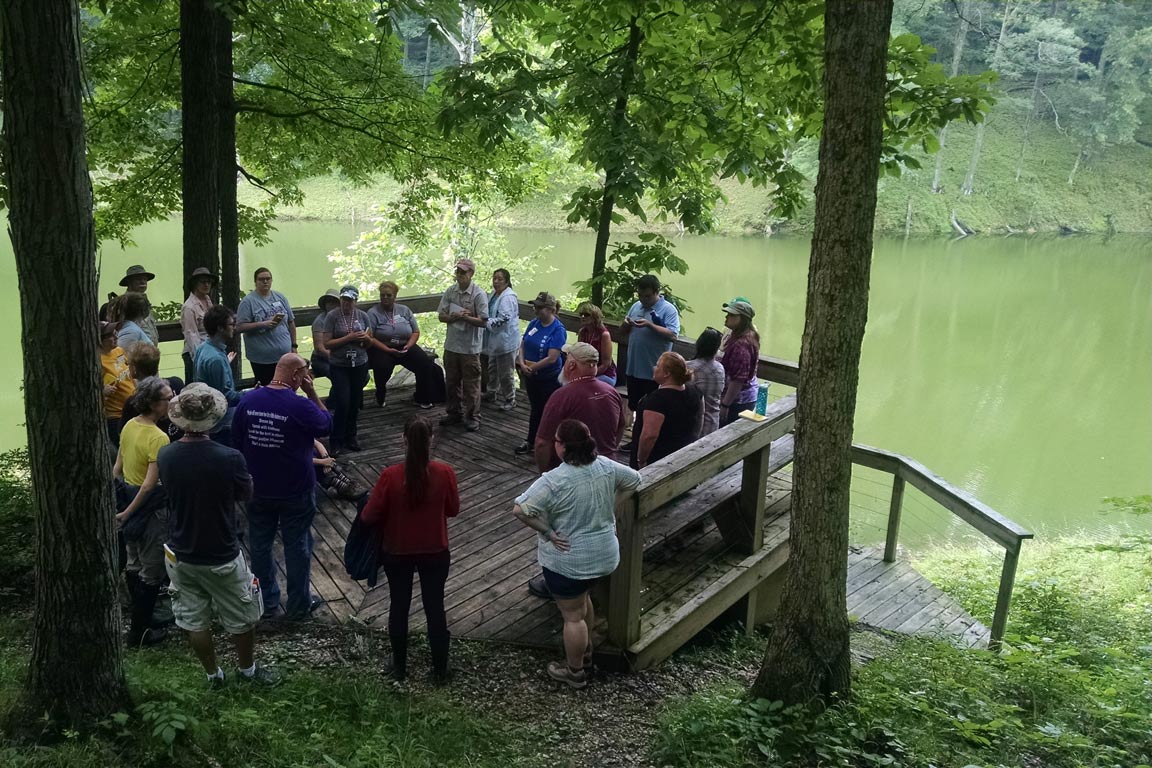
74	674
808	654
969	185
958	44
226	179
1028	125
612	174
1076	166
200	126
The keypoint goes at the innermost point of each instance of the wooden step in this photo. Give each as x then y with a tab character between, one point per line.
694	507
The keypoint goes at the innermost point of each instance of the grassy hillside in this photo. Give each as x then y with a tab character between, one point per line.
1116	187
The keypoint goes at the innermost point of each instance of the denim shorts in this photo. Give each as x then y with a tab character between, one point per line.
565	588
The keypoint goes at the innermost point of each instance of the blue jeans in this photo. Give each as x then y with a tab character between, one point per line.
293	516
344	400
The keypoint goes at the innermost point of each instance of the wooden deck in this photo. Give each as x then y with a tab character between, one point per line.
493	555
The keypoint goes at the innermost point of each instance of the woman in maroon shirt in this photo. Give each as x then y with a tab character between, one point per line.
410	507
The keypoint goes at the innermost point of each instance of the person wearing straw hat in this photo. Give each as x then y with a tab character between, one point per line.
135	280
320	355
201	283
208	574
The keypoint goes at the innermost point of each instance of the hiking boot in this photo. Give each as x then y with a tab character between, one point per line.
265	677
450	419
538	587
472	425
561	672
523	449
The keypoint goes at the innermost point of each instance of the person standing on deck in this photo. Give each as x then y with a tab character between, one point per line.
275	428
269	327
650	327
135	280
213	366
200	285
464	308
202	555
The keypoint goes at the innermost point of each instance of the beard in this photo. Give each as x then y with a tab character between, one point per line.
563	377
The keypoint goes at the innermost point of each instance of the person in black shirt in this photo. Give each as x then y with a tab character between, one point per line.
205	480
667	418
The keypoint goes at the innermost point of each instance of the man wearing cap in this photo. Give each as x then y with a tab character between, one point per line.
212	365
584	397
200	285
650	327
208	575
136	280
275	429
464	307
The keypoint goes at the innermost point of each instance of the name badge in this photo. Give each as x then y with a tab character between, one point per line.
532	331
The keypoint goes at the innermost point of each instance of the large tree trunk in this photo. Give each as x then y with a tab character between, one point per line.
958	44
612	174
74	673
200	126
226	179
808	654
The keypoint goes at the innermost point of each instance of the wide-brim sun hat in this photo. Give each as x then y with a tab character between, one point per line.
198	408
135	271
329	296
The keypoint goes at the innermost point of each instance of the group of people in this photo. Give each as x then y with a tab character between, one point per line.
187	455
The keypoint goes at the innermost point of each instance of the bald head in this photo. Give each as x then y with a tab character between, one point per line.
291	369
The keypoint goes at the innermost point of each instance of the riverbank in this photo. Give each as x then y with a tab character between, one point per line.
1070	690
1109	194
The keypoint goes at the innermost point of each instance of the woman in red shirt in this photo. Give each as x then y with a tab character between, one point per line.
409	508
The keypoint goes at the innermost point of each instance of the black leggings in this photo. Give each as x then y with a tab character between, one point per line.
433	571
539	390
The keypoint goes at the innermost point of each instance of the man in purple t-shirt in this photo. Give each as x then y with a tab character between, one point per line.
582	397
275	428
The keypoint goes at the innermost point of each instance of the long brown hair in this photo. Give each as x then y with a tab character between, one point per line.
418	436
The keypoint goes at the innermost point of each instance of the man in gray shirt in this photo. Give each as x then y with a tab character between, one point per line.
464	307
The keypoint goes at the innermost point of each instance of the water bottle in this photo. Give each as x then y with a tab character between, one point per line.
762	397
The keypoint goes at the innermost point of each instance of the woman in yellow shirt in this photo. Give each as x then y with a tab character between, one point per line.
143	512
118	383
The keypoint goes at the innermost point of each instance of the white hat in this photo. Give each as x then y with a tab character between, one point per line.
197	408
582	352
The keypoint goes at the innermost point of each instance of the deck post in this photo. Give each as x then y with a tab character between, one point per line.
625	582
743	527
894	509
1004	596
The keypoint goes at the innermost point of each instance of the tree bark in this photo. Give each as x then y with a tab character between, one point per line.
226	167
74	674
200	135
1028	125
612	174
958	44
808	654
969	185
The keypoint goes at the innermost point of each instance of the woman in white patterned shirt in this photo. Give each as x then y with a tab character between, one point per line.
708	378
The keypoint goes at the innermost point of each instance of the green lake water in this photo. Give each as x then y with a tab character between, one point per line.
1018	369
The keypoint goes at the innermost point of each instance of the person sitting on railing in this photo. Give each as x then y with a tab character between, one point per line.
572	508
708	378
741	350
669	418
592	331
326	303
395	333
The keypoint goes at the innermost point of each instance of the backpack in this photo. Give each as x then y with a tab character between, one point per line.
362	548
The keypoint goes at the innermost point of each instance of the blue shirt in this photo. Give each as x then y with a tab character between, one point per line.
210	365
538	339
130	335
265	345
645	345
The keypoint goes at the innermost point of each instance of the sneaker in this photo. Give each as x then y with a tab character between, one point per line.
425	406
450	419
560	671
218	683
523	449
381	403
538	587
472	425
263	676
508	405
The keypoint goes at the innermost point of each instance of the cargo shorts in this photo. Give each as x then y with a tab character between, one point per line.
229	592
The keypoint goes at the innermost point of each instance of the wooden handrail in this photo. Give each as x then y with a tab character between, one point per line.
968	508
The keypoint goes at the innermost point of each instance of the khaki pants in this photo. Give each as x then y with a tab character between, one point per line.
462	380
502	376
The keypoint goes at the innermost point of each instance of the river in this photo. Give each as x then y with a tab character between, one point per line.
1018	369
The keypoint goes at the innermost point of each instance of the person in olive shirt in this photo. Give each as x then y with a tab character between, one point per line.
464	308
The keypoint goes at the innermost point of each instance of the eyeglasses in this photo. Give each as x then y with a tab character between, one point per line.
264	279
305	367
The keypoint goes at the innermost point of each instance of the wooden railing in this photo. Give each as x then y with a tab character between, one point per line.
971	510
746	441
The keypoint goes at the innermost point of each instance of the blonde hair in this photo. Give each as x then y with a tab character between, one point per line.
676	367
593	310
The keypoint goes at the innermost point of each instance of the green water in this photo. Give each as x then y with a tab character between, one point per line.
1018	369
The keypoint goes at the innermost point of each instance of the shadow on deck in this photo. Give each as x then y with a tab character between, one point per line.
494	555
